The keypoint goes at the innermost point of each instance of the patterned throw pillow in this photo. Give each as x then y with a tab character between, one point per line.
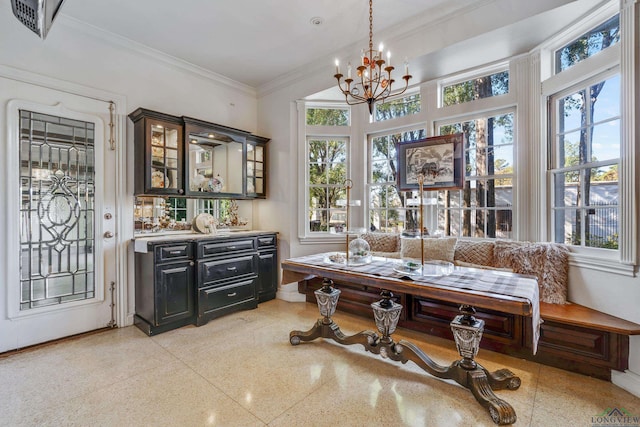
475	252
434	249
382	242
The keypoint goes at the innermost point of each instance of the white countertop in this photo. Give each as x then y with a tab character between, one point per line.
140	241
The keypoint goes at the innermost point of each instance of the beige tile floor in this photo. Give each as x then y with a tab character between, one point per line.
240	370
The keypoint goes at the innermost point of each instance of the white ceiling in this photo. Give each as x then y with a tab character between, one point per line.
256	41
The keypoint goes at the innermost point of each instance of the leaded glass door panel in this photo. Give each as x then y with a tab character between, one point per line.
60	215
57	187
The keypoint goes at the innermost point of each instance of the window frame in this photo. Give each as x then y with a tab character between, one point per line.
368	183
513	176
617	57
305	235
553	166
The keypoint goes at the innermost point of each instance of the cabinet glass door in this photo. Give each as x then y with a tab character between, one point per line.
215	164
255	170
165	145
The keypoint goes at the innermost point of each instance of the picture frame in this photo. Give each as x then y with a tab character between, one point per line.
440	159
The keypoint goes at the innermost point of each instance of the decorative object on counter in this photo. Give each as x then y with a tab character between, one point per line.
233	220
205	223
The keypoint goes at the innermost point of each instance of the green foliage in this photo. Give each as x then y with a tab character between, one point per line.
397	108
327	117
478	88
327	174
589	44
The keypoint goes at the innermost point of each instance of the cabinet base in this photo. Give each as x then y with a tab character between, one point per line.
246	305
150	329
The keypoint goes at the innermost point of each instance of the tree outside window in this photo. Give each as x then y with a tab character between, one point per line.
484	207
388	210
586	148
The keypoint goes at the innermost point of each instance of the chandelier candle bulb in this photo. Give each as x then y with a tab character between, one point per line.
388	58
349	70
337	67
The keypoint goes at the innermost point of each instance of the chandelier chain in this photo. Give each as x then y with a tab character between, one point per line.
370	26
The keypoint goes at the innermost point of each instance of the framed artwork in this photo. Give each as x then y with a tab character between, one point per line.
439	159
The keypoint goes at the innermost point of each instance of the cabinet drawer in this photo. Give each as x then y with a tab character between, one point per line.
214	298
216	270
206	249
266	241
173	252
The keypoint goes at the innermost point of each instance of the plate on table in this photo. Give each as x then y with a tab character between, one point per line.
335	258
434	268
408	267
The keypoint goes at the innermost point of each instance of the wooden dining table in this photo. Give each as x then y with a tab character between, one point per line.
473	289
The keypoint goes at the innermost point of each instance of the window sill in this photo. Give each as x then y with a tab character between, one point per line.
600	263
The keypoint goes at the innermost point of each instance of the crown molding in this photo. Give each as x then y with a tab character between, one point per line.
151	53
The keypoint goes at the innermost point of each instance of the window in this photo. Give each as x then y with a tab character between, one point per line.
327	173
400	107
588	44
324	152
324	116
477	88
387	205
585	148
176	208
484	207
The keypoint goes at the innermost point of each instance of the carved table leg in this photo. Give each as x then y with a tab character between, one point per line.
327	298
467	331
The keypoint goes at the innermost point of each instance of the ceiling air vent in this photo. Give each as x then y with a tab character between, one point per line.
36	15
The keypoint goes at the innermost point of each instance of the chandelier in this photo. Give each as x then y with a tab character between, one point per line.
373	76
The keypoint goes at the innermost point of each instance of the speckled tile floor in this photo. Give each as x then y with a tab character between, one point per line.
240	370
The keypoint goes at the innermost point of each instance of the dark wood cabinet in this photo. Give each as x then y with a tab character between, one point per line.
165	288
174	292
185	156
214	159
267	267
256	167
227	277
158	153
199	279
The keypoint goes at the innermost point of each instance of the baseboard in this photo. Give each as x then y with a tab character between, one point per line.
289	292
627	380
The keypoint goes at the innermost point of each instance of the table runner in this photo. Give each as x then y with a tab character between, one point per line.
490	281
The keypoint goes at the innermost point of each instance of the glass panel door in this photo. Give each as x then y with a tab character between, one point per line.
57	185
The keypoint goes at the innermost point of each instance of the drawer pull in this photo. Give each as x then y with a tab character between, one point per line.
175	252
232	268
231	248
233	294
